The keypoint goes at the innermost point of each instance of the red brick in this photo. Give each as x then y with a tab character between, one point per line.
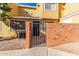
28	34
61	33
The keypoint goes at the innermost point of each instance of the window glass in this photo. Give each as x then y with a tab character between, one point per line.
18	25
50	6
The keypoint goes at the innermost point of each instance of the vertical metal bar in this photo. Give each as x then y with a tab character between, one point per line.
31	35
43	31
32	32
38	34
35	34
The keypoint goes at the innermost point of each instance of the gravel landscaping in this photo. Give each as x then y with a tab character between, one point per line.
12	44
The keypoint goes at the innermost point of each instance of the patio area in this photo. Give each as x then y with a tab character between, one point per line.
72	47
12	44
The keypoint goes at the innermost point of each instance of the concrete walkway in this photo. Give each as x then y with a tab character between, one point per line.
71	47
37	51
54	52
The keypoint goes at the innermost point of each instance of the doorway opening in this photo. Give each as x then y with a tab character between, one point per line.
38	38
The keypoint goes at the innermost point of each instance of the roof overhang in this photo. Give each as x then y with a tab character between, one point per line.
30	7
26	18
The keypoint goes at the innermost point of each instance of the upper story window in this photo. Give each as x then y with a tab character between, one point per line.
50	6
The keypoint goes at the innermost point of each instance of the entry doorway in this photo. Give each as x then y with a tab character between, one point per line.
37	37
36	28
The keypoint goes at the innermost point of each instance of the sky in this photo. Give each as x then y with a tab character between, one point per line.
29	4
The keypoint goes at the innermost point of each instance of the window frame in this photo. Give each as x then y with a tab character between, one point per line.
51	8
18	28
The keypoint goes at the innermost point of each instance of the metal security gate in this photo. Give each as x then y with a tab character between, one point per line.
38	35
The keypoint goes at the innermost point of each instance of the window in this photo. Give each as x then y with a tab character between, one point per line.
17	25
43	26
22	34
50	6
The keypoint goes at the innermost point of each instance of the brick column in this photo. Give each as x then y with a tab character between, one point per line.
28	33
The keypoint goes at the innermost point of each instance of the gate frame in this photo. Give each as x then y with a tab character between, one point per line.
36	44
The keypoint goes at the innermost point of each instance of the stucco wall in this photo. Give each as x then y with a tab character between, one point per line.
39	11
69	10
14	9
30	11
70	7
61	33
51	14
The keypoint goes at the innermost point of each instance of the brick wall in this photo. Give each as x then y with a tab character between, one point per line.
61	33
28	34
